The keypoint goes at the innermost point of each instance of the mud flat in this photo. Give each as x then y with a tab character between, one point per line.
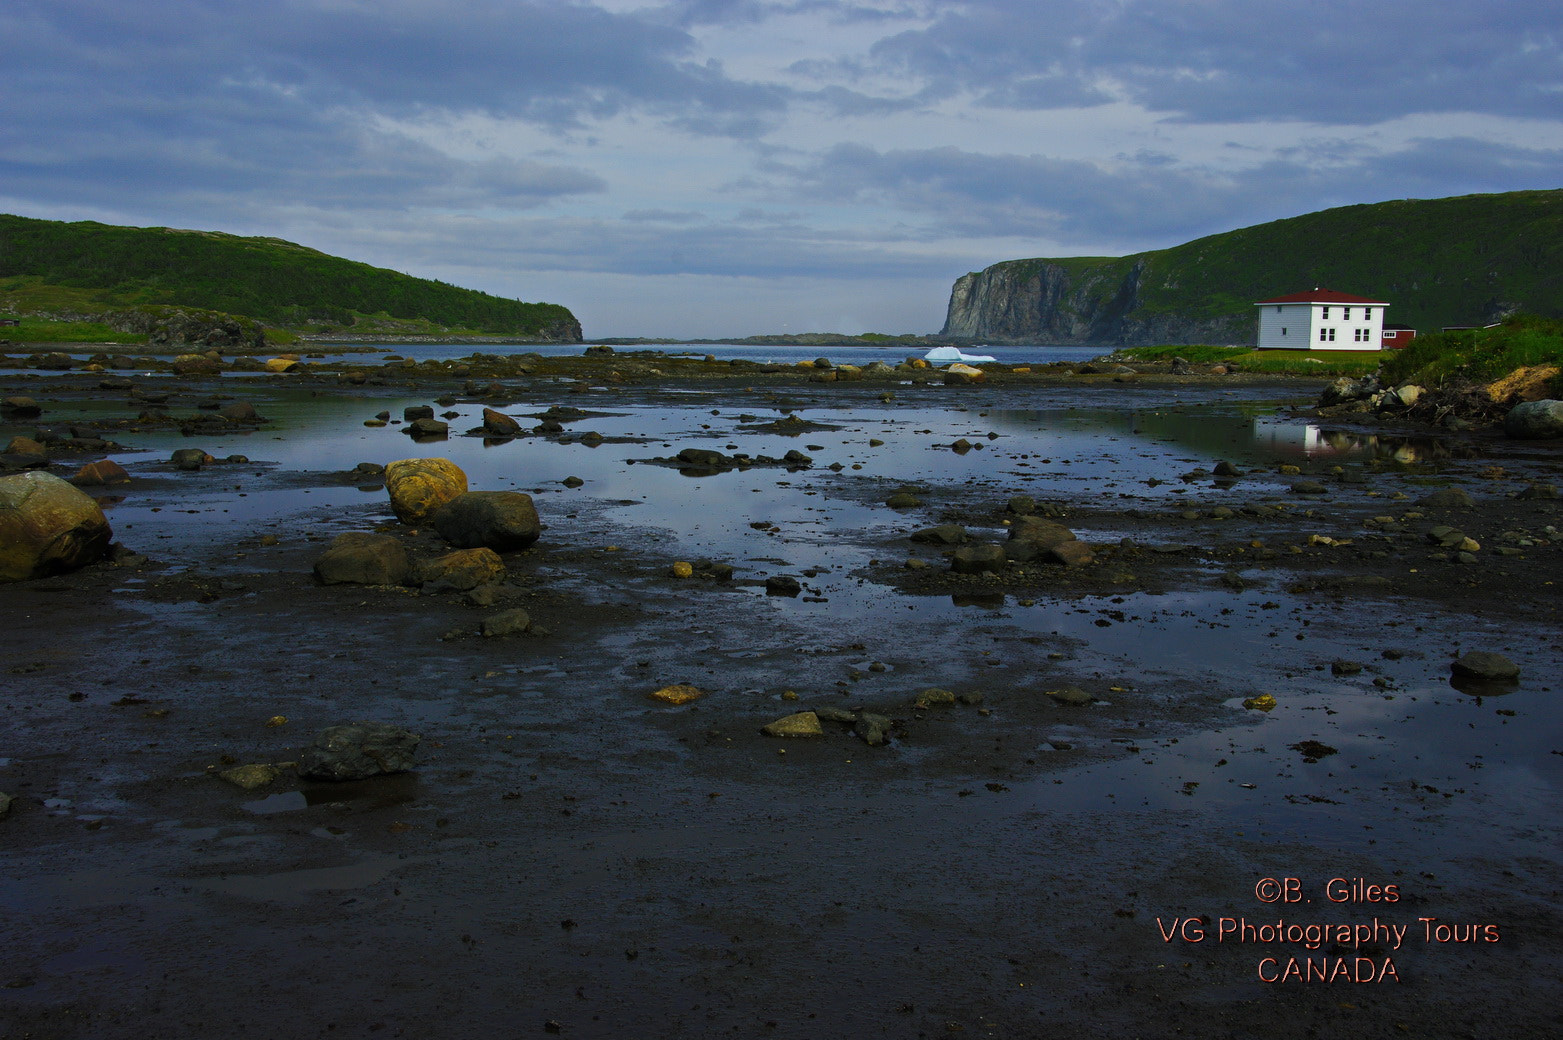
1069	822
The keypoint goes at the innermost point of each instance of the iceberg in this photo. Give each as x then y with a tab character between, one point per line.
945	355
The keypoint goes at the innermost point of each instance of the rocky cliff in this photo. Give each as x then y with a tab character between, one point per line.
1468	260
1076	302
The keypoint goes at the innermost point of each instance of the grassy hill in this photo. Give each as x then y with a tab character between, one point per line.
85	268
1468	260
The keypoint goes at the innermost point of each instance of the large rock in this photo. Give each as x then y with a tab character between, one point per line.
96	474
47	526
1042	533
504	521
358	751
498	424
1485	666
419	487
196	365
978	559
362	558
1535	420
462	570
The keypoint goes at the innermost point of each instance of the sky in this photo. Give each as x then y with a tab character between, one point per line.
710	168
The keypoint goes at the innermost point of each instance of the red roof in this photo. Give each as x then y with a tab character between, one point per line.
1321	296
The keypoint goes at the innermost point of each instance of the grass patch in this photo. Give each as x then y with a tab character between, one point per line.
34	330
1320	363
1479	355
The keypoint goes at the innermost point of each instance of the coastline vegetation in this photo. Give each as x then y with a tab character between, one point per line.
78	271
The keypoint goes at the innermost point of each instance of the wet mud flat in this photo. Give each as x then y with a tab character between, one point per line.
572	856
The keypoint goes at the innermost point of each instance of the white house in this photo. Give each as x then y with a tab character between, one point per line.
1321	319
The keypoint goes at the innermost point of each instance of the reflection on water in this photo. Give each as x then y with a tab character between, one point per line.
1310	441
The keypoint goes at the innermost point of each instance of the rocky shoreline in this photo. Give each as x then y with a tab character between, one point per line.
662	798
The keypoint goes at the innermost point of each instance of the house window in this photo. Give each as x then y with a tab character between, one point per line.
1278	308
1326	313
1345	314
1326	335
1283	330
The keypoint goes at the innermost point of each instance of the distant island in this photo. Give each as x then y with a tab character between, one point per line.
225	290
1470	260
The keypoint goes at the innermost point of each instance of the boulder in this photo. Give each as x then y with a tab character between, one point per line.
462	570
190	459
24	446
358	751
1072	553
1040	532
1535	420
1484	666
196	365
252	776
498	424
1073	696
505	521
944	534
427	428
903	500
362	558
20	407
419	487
96	474
412	413
279	365
47	526
978	559
1446	498
240	412
782	585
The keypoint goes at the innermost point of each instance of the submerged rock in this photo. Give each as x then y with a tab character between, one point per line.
358	751
47	526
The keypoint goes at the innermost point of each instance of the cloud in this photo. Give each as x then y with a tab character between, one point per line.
1334	61
1151	198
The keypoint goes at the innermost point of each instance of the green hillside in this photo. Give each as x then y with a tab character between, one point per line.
45	262
1469	260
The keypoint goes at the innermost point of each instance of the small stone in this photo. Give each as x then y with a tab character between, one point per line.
1345	667
1263	702
903	500
1072	696
679	693
873	729
682	569
5	804
250	777
803	724
934	697
506	623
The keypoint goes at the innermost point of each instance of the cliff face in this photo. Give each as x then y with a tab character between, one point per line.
1040	301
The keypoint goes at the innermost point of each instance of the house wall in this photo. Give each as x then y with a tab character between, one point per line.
1309	326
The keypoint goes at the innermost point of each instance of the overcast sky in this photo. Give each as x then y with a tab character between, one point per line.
727	167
